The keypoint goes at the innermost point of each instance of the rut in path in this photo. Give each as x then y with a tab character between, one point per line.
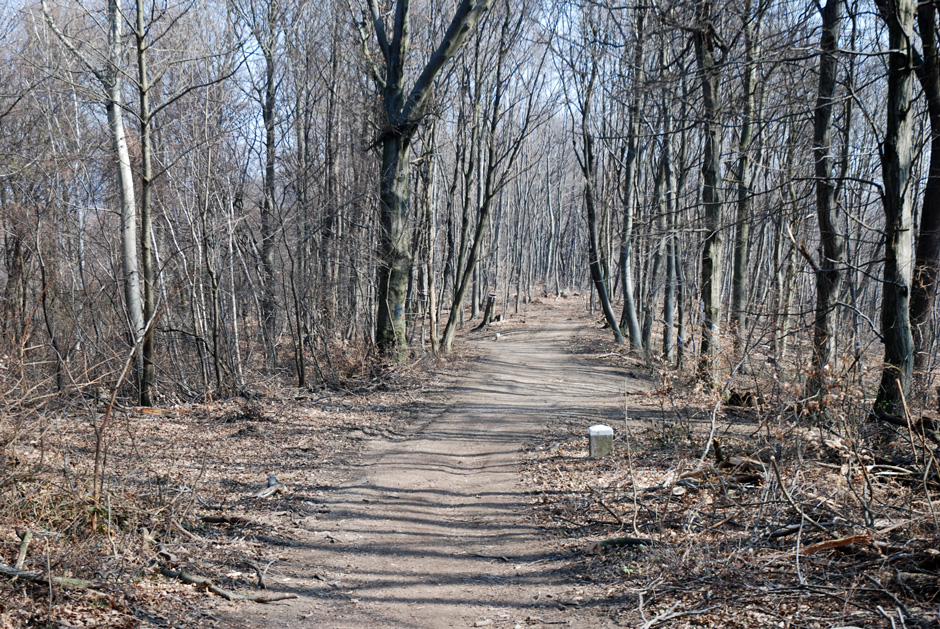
435	530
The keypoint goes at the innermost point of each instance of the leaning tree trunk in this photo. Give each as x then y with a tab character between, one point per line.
711	197
896	173
594	262
832	244
488	187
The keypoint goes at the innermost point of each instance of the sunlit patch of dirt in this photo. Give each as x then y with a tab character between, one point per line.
181	489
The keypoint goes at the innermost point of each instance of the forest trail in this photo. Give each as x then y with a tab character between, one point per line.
435	530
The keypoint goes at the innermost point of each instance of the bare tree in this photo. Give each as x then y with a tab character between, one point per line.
896	161
927	264
403	109
109	75
706	41
828	270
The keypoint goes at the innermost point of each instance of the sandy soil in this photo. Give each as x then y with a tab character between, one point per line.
435	530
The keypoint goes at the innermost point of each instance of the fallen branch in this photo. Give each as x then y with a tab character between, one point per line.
493	557
228	595
835	543
39	577
26	538
260	571
179	527
600	501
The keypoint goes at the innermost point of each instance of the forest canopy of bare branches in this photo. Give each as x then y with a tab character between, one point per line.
196	197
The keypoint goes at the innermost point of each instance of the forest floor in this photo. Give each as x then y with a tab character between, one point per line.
461	494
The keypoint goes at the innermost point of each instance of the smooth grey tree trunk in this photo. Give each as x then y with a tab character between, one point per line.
148	376
660	249
628	318
110	79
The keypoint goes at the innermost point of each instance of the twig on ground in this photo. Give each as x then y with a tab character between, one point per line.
671	614
226	594
179	527
783	488
901	606
494	557
260	571
600	501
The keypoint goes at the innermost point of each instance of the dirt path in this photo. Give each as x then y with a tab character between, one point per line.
435	530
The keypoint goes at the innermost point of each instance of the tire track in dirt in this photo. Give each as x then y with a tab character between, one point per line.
435	530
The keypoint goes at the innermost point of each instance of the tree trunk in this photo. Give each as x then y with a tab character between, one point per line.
739	281
711	196
403	111
268	298
148	377
660	249
587	169
832	246
395	244
628	318
927	264
129	261
669	236
896	173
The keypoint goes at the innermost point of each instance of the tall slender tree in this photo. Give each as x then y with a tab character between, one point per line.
896	161
706	43
828	271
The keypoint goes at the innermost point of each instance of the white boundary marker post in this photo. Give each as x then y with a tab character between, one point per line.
601	439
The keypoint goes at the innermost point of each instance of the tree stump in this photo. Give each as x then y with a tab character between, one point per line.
601	440
487	312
